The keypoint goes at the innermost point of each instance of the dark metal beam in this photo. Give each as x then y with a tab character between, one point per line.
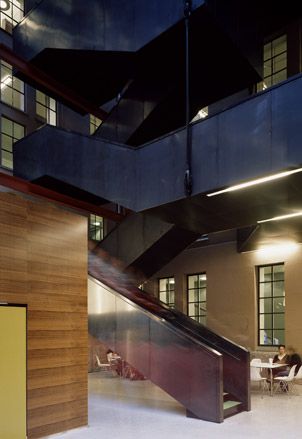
244	235
40	78
32	189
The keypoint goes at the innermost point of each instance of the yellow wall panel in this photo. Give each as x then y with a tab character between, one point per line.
13	372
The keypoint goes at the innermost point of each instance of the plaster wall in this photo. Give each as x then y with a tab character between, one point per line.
232	288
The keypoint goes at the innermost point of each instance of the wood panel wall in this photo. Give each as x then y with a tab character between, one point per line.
43	263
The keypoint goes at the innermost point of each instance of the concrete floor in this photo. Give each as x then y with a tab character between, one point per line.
119	408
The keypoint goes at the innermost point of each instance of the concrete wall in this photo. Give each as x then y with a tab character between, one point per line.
232	288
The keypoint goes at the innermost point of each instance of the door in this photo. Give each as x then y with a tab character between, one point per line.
13	372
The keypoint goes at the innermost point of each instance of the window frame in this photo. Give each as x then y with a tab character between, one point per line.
94	123
47	106
199	316
93	229
272	313
12	86
169	303
261	86
15	139
10	21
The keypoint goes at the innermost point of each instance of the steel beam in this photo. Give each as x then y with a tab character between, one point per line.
20	185
46	82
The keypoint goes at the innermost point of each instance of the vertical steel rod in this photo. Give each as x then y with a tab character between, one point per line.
188	173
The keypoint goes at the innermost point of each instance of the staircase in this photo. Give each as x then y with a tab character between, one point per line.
145	243
206	373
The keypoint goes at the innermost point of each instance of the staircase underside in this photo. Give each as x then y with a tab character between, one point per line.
103	66
251	140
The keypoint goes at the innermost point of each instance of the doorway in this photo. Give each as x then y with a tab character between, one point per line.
13	371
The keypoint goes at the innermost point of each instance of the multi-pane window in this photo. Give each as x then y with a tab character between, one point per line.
46	108
11	88
271	304
96	227
274	63
11	13
166	290
10	133
95	122
197	297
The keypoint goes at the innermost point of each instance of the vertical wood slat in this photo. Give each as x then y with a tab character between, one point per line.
43	264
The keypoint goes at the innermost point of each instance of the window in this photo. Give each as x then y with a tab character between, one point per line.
166	291
11	88
96	228
10	133
11	13
94	123
271	308
46	108
274	63
197	297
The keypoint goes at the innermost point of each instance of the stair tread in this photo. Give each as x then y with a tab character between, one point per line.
229	404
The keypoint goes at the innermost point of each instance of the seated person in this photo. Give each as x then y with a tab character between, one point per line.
294	358
282	358
109	354
115	361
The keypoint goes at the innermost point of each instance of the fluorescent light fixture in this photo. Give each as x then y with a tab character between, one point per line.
203	237
281	217
255	182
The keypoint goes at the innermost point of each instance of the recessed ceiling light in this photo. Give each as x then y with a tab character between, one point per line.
280	218
254	182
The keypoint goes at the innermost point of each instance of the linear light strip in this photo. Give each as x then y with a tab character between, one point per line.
254	182
281	217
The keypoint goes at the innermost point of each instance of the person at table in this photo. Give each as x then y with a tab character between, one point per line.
294	359
281	358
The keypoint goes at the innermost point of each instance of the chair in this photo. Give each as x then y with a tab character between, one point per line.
299	374
256	376
286	383
255	360
298	379
103	366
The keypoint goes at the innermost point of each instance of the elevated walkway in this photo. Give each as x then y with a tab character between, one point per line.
115	47
250	140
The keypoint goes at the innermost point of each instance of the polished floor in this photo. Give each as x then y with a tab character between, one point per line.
119	408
